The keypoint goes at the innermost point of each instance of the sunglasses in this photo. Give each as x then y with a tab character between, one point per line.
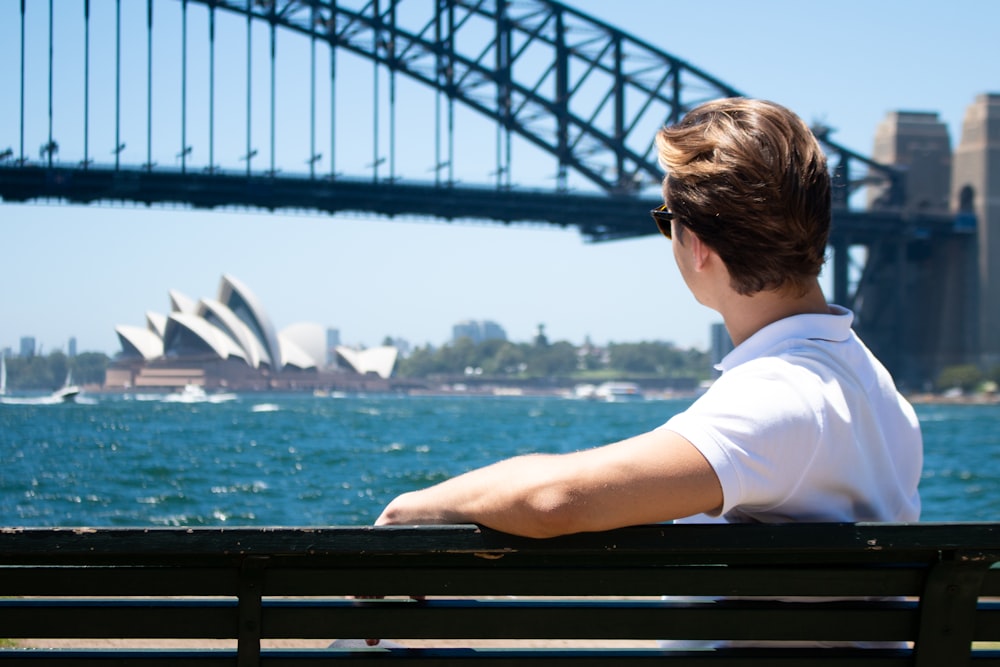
662	217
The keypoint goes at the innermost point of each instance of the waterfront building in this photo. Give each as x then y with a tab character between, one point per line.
228	341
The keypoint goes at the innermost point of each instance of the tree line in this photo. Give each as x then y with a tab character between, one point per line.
51	371
540	359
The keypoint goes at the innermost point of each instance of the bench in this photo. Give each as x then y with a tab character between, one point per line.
495	599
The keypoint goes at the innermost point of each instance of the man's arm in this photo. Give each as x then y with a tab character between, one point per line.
653	477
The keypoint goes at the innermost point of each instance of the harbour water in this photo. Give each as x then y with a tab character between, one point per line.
301	460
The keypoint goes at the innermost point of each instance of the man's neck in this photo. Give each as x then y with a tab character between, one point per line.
746	315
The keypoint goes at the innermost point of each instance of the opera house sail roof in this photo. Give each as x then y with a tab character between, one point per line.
235	327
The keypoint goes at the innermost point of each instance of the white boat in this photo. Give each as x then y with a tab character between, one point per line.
193	393
619	392
64	394
68	392
610	392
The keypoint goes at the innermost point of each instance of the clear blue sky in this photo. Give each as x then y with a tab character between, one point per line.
80	271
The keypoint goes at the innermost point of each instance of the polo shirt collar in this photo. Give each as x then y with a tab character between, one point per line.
835	327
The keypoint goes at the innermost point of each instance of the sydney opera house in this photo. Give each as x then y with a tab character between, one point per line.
231	342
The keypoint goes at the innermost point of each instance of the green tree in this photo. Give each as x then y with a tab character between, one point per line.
552	360
58	368
421	362
90	367
966	377
458	356
503	358
634	358
509	359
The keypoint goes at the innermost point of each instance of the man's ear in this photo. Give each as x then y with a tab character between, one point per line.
699	251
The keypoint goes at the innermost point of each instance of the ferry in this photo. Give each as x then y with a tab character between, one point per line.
610	392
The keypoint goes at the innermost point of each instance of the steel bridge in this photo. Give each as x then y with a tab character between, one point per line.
510	111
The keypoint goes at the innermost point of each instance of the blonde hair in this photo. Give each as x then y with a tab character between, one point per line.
750	179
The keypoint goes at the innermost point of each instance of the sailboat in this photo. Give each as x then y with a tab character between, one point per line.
64	394
68	392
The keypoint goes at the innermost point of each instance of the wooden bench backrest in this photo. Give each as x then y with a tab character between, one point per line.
921	583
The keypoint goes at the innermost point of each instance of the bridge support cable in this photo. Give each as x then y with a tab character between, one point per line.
149	85
184	49
389	45
332	36
249	148
312	96
444	81
211	90
324	28
118	84
274	49
376	158
502	50
86	84
48	148
21	158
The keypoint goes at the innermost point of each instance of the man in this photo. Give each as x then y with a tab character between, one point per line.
804	424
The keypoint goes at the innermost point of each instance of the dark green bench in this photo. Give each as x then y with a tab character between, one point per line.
928	584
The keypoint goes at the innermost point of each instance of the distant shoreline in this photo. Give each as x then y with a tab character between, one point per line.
529	389
965	399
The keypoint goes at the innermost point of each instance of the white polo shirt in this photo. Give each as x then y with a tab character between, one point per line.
804	424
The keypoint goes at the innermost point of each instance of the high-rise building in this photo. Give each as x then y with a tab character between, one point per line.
71	347
332	342
478	331
27	348
493	331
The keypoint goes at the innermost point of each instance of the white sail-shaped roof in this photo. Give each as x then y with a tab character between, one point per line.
233	326
187	332
156	322
378	360
181	303
239	299
137	341
293	356
309	337
224	318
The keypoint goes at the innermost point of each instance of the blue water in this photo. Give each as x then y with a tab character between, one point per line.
304	460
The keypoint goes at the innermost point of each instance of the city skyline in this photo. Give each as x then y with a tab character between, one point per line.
74	271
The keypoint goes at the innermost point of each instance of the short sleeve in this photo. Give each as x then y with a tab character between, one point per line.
758	431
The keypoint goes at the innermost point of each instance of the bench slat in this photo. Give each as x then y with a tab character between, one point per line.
694	543
465	619
466	581
482	658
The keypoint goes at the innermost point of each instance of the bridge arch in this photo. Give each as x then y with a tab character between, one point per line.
584	93
580	89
